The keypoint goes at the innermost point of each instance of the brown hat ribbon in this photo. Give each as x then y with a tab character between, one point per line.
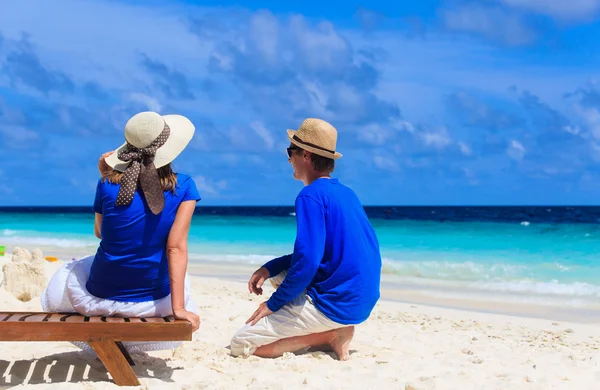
142	169
298	139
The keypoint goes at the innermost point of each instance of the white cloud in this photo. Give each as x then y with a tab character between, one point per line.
85	47
568	10
150	102
491	22
470	176
265	32
375	134
590	119
418	162
321	47
386	163
405	126
209	187
516	150
19	134
595	151
572	130
438	139
464	148
318	99
263	133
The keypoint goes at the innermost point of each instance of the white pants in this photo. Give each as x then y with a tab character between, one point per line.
66	293
299	317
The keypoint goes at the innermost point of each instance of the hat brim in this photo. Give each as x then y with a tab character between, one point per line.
311	149
182	131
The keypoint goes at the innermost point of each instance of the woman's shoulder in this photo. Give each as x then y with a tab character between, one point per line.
183	178
104	183
186	187
185	181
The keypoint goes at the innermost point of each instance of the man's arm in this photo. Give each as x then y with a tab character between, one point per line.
276	266
269	270
308	252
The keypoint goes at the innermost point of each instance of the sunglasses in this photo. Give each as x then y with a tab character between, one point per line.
291	149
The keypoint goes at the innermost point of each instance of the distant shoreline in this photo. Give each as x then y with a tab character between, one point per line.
508	214
395	291
500	206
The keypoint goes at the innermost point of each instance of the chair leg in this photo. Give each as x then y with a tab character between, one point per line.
115	362
125	353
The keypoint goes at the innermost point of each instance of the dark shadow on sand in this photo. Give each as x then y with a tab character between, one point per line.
73	367
321	351
314	352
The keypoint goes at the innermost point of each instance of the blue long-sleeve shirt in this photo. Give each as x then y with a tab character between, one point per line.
336	255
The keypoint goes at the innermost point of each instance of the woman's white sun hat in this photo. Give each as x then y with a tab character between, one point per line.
143	128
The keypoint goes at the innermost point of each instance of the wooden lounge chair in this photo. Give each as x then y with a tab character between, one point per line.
104	335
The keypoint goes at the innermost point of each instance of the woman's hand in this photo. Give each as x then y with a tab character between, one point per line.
103	167
182	314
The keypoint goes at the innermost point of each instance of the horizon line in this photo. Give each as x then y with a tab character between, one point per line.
365	205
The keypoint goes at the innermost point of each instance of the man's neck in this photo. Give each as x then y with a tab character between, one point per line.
311	178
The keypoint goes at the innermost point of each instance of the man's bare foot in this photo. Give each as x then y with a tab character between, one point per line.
341	342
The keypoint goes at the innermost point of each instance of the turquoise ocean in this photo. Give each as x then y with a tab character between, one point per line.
542	255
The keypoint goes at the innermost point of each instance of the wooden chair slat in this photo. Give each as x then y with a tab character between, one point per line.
157	319
39	317
54	317
113	319
135	320
72	318
5	316
16	317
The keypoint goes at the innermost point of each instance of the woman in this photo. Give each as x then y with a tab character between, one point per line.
143	212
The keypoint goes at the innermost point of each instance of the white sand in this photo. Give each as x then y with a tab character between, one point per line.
402	346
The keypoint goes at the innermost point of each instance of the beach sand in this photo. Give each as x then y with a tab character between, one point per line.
401	346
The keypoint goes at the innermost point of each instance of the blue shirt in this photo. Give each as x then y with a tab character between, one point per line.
336	255
131	262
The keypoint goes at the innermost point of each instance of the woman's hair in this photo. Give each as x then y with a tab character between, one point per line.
168	178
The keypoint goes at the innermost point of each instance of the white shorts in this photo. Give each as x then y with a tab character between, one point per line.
66	293
299	317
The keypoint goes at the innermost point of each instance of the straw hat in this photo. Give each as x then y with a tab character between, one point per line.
143	128
316	136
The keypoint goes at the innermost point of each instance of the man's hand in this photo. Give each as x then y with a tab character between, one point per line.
103	167
257	279
261	312
182	314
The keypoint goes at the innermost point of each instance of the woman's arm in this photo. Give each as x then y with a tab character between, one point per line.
177	255
98	225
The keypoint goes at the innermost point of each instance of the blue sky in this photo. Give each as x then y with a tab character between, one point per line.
436	102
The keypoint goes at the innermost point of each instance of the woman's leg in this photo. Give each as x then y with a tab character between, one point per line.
55	297
163	308
82	301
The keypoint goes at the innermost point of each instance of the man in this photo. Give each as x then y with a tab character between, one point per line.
331	281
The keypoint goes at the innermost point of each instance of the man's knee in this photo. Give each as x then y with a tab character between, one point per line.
240	343
237	347
278	279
